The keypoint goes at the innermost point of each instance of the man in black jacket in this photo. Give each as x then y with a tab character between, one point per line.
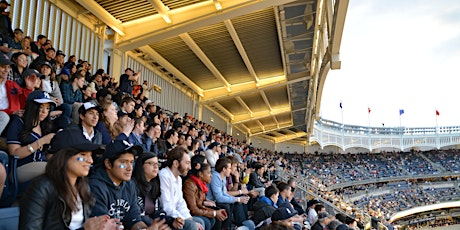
265	206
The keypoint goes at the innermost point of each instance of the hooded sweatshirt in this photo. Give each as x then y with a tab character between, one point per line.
115	201
263	209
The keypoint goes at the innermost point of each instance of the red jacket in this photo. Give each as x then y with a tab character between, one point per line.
16	97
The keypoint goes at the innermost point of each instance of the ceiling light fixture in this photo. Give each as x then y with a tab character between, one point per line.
218	5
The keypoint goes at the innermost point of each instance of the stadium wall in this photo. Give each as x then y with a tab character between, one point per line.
58	21
170	97
262	143
211	118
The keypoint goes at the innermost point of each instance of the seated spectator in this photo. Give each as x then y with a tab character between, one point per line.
212	153
38	45
86	93
195	190
64	187
89	117
51	86
66	74
15	43
171	138
323	220
218	191
113	190
48	57
153	132
106	123
96	84
12	98
137	137
72	94
178	164
284	216
127	105
18	67
148	188
124	126
291	182
27	49
32	81
28	134
285	195
265	206
103	96
59	62
255	179
312	214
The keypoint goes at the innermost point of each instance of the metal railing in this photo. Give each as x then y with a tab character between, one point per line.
327	132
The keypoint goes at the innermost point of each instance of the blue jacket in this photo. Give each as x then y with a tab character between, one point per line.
115	201
218	191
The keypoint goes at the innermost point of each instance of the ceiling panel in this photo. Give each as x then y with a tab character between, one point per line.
232	105
126	10
217	44
176	51
261	44
255	102
277	96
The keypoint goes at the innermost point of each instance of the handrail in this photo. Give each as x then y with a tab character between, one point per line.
388	179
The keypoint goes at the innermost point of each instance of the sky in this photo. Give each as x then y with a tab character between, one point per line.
397	55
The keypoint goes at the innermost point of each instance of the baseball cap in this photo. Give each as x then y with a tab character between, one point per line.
4	1
283	213
29	72
118	147
40	97
59	52
46	63
87	106
4	60
71	137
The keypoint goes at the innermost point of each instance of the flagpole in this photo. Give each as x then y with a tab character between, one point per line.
369	127
343	126
401	132
436	131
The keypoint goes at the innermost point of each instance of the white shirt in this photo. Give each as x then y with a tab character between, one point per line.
3	97
87	136
172	197
77	218
312	216
212	157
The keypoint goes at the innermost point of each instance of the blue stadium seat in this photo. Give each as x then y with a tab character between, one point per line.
11	185
9	218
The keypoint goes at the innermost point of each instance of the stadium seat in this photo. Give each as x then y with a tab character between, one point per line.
11	185
9	218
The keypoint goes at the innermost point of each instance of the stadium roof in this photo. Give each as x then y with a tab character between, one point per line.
259	64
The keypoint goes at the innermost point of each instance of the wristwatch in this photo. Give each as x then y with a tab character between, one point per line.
29	147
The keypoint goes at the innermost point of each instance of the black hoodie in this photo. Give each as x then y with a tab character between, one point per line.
115	201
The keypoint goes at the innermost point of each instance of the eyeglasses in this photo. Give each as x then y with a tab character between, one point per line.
154	164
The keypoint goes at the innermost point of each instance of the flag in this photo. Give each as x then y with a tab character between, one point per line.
401	112
368	110
437	113
340	105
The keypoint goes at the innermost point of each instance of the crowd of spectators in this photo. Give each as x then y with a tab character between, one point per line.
155	169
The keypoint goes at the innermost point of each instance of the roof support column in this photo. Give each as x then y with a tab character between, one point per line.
116	64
